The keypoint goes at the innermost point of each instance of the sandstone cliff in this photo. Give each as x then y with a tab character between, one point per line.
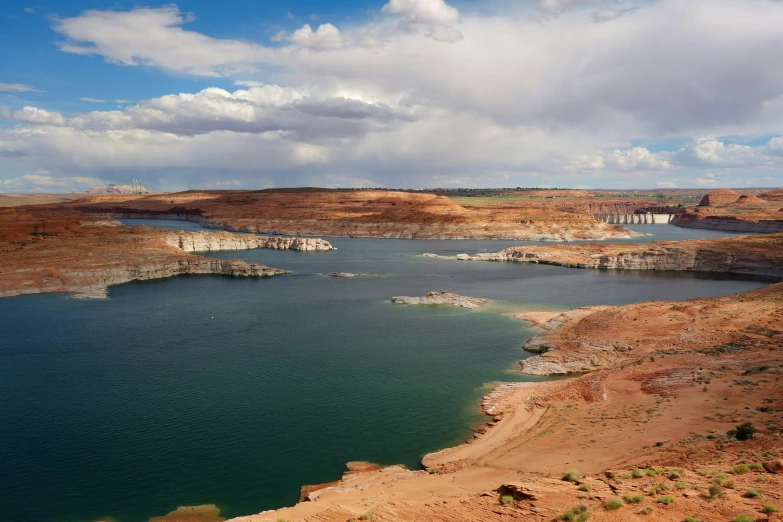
382	214
44	250
757	255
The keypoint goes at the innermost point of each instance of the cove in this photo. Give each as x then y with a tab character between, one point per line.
207	389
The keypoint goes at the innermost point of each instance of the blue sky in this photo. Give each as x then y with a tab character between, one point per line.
397	93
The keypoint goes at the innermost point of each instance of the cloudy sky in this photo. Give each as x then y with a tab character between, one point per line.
403	93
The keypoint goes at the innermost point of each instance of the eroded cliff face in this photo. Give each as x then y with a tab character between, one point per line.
44	250
759	255
378	214
217	241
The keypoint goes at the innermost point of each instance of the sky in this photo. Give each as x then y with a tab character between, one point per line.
391	93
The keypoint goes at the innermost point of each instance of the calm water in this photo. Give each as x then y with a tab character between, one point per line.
207	389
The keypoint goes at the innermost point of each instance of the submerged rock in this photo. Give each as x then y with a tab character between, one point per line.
442	298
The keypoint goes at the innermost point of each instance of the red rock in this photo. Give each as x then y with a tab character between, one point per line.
774	466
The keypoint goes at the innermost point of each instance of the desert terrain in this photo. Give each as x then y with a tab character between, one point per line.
359	213
642	428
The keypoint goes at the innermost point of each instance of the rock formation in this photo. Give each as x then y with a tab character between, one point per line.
44	250
719	197
383	214
749	200
757	255
442	298
773	195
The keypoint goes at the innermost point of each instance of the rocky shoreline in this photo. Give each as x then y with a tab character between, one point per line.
84	256
758	255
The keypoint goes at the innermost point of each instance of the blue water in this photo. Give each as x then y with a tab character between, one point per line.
233	391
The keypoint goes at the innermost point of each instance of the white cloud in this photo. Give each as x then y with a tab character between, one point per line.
92	100
326	37
17	87
519	100
38	116
148	36
423	11
42	181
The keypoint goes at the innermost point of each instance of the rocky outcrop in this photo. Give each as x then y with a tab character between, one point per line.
730	223
380	214
442	298
218	241
43	251
349	275
760	255
719	197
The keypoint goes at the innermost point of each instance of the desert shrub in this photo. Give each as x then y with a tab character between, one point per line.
636	498
769	508
584	486
572	476
728	484
660	488
638	473
756	466
506	499
366	516
614	503
575	514
752	493
718	479
653	472
680	485
745	431
674	475
742	517
715	491
740	469
666	500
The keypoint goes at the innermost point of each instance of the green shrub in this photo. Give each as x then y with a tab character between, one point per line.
653	472
660	488
636	498
506	499
752	493
740	469
674	475
680	485
575	514
584	486
715	491
666	500
572	476
769	508
638	473
614	503
742	517
691	519
366	516
728	484
745	431
718	479
756	466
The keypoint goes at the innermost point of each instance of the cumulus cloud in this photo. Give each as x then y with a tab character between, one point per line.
517	101
436	15
153	36
294	113
326	36
423	11
92	100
